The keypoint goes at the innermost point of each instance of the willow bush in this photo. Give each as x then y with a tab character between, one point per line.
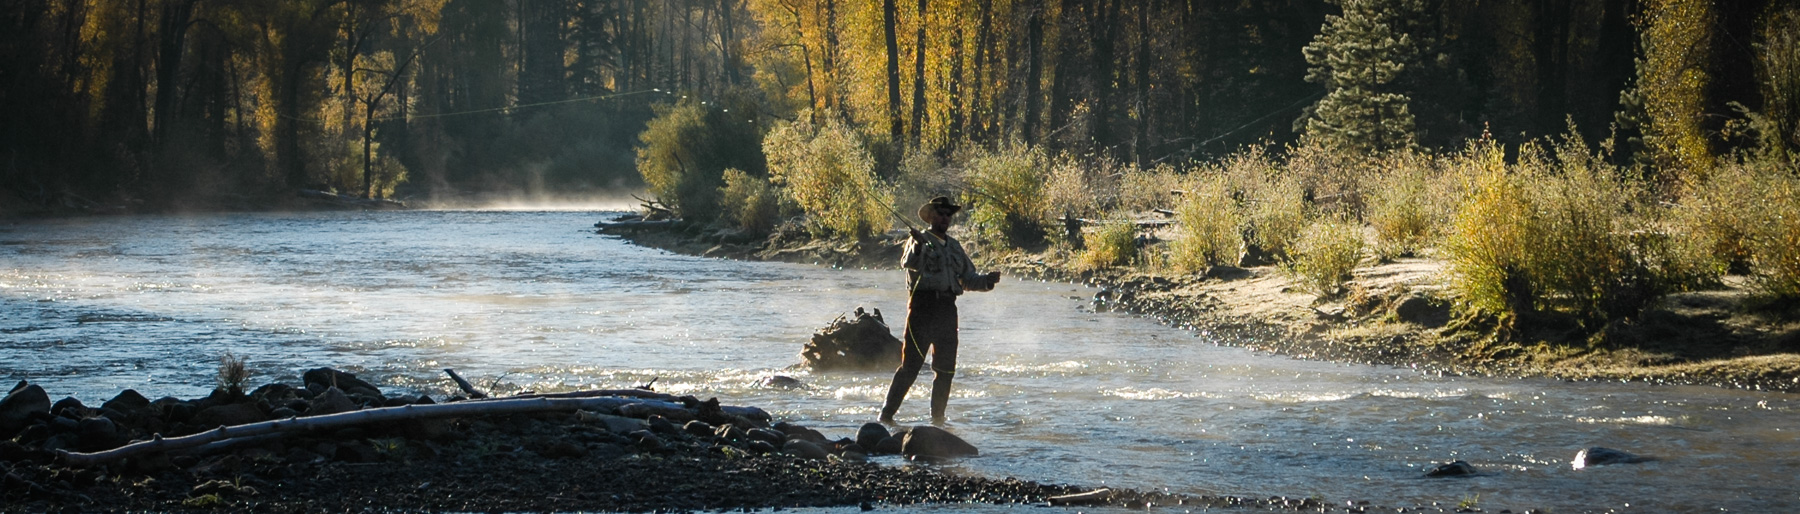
830	175
1006	195
686	149
1325	253
1209	225
1400	205
1277	214
1114	243
750	202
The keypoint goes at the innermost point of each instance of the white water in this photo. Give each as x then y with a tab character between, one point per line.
1047	389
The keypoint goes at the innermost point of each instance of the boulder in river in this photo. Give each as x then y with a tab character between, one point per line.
1453	469
870	436
17	408
934	442
322	378
1598	456
860	340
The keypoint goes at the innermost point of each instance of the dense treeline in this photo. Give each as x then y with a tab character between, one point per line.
160	99
108	101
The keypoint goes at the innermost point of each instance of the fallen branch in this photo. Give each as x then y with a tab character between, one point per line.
354	418
466	387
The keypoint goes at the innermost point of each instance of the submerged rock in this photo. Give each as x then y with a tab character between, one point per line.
934	442
871	435
1453	469
321	379
1598	456
860	340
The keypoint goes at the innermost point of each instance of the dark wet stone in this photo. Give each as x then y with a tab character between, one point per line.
730	433
647	441
1453	469
229	415
934	442
782	382
698	428
889	446
760	446
16	409
129	402
328	377
804	450
1598	456
870	436
767	435
330	401
662	425
66	405
275	393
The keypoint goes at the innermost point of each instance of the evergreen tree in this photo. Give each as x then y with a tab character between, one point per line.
1360	57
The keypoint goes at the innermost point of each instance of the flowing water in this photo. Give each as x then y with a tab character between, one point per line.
1047	388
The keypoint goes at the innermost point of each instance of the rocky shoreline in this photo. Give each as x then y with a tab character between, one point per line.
652	452
1394	313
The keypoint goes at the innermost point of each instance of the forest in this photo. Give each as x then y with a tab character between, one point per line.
164	101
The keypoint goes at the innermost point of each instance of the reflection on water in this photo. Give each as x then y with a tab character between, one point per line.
1049	391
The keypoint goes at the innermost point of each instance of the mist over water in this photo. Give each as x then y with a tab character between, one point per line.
1046	388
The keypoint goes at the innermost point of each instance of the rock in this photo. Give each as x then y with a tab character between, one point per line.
661	425
1598	456
860	340
781	382
762	447
1453	469
229	415
283	413
275	393
129	402
17	408
697	428
331	401
328	378
801	433
934	442
730	433
889	446
99	433
1421	310
647	441
870	436
614	424
68	404
804	450
766	435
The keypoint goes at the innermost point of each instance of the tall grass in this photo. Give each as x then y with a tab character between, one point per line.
1209	224
1277	213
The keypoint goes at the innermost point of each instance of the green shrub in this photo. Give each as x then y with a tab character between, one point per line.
1325	253
1399	205
1277	212
1007	195
1076	188
687	147
1209	224
750	202
830	175
1556	233
1114	243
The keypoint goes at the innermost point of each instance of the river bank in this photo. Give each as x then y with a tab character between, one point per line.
651	452
1396	312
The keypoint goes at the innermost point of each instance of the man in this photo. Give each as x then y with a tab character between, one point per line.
937	270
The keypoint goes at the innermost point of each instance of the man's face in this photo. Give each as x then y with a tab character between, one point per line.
937	218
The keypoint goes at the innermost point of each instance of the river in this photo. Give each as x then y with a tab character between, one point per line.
1047	388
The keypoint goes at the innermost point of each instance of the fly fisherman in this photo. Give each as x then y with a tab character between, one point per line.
937	270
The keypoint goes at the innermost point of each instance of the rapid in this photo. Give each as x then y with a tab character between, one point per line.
1047	388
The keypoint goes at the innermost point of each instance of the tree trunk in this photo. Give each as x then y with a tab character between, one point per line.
977	107
1141	144
888	14
1034	69
174	28
954	88
725	41
918	108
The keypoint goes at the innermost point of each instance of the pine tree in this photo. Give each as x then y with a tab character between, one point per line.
1360	57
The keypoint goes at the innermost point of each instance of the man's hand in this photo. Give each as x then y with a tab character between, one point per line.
915	233
993	279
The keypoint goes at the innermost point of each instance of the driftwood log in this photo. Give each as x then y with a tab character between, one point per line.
467	388
361	417
858	341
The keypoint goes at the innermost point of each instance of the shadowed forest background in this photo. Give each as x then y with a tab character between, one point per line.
161	101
